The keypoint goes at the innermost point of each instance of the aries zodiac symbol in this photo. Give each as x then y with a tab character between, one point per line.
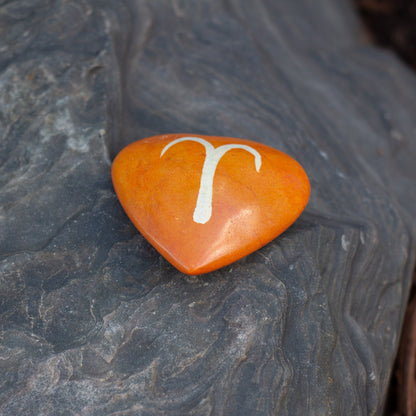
203	209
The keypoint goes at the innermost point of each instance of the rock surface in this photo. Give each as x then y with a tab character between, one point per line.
93	321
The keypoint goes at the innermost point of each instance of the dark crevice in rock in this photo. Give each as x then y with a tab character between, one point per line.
391	24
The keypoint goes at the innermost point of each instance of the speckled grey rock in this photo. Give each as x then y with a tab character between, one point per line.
93	321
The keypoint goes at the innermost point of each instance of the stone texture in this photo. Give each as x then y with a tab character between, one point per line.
93	321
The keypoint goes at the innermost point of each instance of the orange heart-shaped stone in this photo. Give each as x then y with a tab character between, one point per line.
204	202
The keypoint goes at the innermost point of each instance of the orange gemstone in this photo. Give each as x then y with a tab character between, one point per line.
204	202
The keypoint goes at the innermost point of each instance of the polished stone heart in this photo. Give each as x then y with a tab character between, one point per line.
204	202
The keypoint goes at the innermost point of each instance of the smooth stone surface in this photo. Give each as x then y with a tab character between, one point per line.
204	202
93	321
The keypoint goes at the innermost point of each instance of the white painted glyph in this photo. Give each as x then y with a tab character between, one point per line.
203	209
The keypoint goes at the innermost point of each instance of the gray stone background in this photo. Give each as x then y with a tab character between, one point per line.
92	320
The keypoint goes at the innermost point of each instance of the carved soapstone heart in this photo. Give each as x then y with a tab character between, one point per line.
204	202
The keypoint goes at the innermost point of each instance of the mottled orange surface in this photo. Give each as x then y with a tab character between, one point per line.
249	208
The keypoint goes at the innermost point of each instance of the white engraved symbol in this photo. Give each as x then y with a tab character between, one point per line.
203	209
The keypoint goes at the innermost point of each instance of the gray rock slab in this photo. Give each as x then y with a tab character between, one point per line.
93	321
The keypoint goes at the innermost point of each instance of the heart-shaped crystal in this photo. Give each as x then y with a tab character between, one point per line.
204	202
